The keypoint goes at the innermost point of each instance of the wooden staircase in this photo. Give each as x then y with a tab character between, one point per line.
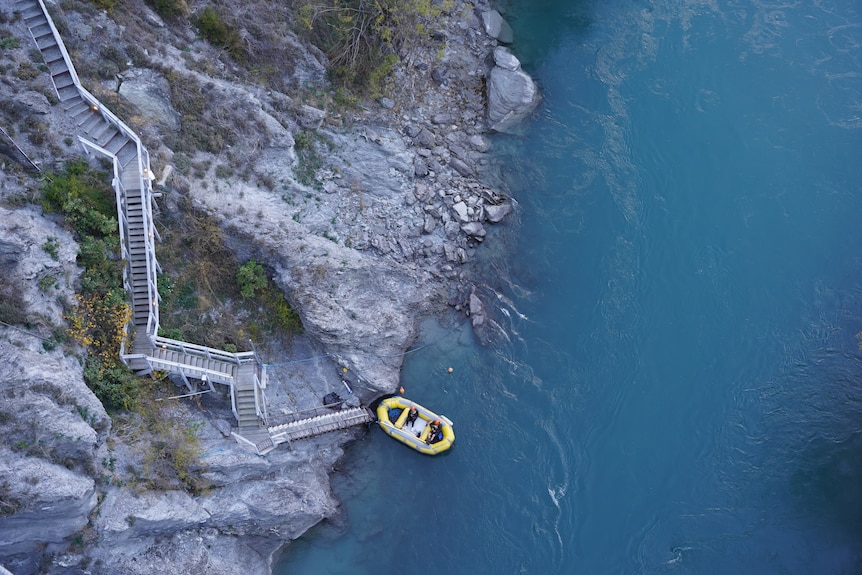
99	130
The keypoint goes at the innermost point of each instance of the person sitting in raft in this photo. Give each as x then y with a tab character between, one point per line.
435	434
411	417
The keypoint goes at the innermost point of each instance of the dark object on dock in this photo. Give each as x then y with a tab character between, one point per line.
332	400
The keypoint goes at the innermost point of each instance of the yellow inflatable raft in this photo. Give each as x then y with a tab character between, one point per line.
392	416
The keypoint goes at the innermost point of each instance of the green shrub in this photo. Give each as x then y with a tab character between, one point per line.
250	277
26	71
101	313
170	8
284	317
84	198
8	41
362	39
106	5
219	33
51	247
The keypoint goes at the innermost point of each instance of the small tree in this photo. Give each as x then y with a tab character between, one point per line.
250	277
363	38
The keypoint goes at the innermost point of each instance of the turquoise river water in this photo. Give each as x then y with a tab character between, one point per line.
679	387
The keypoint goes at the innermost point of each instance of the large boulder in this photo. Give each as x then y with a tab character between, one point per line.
150	92
512	93
496	27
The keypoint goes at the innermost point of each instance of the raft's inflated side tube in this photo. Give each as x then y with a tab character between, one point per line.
417	443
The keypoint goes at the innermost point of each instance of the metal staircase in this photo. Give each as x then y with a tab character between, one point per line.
101	131
319	424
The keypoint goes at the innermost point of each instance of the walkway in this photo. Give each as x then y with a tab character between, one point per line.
101	131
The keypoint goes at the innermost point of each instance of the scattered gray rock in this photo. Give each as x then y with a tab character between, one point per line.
477	311
460	166
474	229
223	426
424	139
460	208
35	102
504	59
430	224
496	213
311	118
10	254
479	143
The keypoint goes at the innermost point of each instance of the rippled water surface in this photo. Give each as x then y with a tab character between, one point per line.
678	389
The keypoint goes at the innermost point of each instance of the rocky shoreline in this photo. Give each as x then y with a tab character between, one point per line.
382	237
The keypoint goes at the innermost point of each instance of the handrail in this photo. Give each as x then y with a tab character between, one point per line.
233	404
60	44
259	400
195	371
295	416
123	189
185	347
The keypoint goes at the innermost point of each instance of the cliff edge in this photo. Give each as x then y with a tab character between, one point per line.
366	213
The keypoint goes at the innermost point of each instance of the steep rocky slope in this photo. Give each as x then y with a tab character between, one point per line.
366	214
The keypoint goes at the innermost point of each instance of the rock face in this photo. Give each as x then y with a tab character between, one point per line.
53	428
512	93
37	259
150	92
234	527
56	503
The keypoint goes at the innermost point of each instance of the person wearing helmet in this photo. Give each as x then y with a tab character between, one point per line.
412	415
435	434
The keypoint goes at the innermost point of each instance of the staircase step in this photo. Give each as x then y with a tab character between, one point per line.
114	144
63	79
107	135
67	93
57	67
32	15
41	29
97	131
85	116
52	54
45	41
127	153
79	111
94	120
